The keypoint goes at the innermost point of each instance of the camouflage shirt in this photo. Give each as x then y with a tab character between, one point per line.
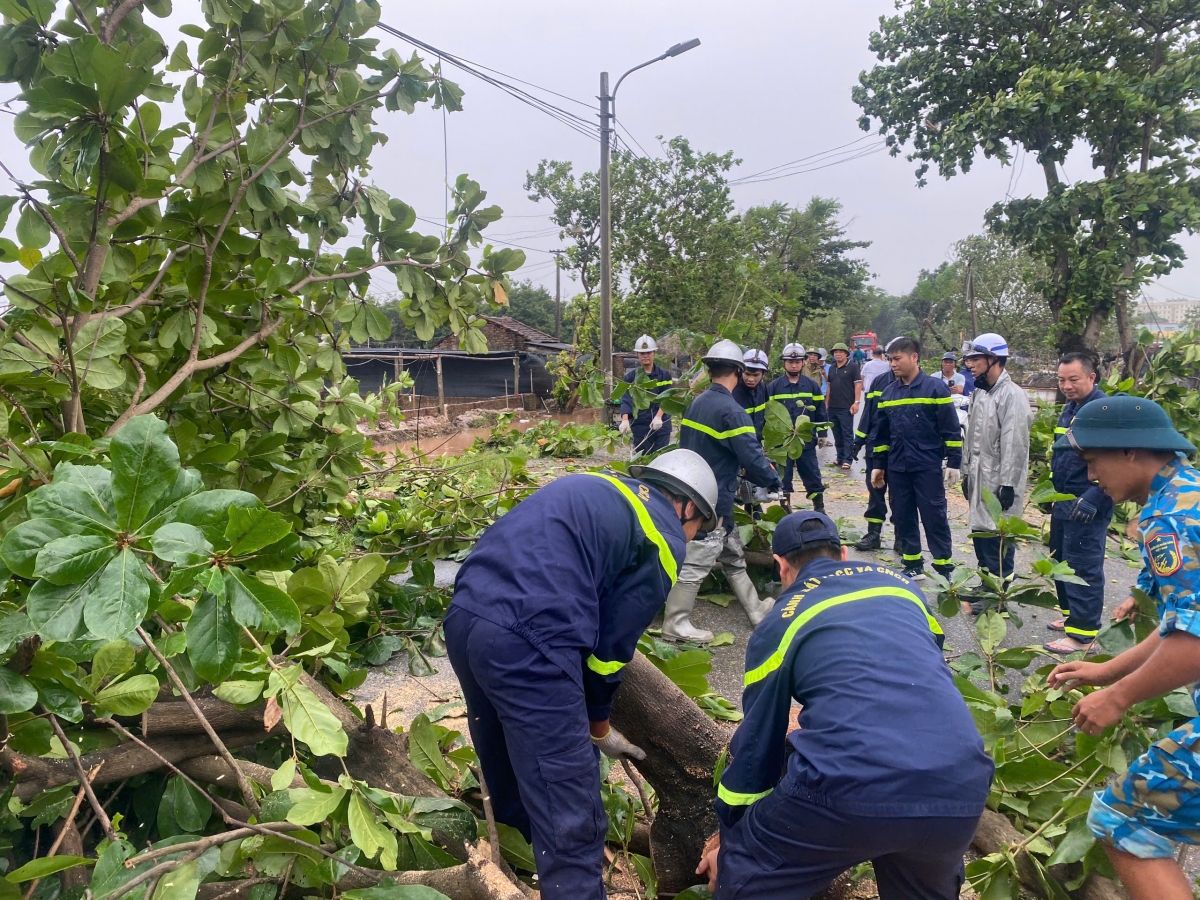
1170	532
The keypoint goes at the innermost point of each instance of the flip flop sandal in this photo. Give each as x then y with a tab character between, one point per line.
1062	649
1059	626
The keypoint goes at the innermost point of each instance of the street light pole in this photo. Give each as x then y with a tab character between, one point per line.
557	294
608	106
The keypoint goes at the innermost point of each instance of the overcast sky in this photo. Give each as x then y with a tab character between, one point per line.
771	81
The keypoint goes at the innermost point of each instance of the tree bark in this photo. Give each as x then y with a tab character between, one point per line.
771	330
682	745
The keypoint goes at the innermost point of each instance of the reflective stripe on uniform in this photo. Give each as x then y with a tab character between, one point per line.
882	448
1082	632
794	396
733	798
665	556
911	557
909	401
873	521
1060	430
719	435
943	562
775	660
859	434
751	410
871	394
661	383
953	443
600	667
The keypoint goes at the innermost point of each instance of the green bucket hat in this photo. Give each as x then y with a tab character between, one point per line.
839	347
1123	422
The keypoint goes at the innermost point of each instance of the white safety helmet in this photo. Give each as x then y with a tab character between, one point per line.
645	344
756	359
724	352
821	352
793	351
987	344
684	472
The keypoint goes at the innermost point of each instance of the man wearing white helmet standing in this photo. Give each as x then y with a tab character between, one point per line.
803	397
715	427
751	392
651	428
996	455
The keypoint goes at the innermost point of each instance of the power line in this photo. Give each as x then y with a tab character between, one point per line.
572	121
836	162
804	159
490	239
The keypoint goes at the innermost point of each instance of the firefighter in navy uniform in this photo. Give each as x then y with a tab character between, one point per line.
877	508
721	432
887	764
751	391
802	396
547	610
915	429
651	428
1079	527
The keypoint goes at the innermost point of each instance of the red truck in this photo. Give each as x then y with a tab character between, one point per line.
865	342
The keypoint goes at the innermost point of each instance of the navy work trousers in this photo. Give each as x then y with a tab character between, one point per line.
646	442
1081	544
842	424
987	552
810	471
876	501
785	848
921	493
529	725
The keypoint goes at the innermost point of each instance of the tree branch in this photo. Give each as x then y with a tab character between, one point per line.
84	780
243	784
114	19
54	226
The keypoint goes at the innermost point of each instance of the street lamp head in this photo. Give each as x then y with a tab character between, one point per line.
683	48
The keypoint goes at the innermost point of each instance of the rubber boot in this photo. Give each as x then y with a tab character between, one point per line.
676	624
744	590
818	502
870	540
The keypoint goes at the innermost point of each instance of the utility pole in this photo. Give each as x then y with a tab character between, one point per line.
605	239
608	104
557	294
971	297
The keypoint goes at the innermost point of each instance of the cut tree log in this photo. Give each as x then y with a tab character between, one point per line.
682	745
176	717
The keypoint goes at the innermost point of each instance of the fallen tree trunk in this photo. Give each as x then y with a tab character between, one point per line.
176	717
682	745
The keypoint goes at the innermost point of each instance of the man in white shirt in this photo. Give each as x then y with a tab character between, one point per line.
876	365
955	380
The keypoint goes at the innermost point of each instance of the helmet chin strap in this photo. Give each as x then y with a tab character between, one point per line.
985	381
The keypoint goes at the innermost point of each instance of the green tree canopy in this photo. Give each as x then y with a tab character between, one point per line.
1002	76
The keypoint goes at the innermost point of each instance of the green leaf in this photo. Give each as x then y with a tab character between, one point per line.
145	464
57	612
32	230
305	716
131	697
23	544
364	572
313	805
259	605
71	507
515	849
16	693
98	339
689	671
181	544
189	808
252	529
282	777
1074	844
368	835
240	692
181	883
214	640
74	558
111	661
45	865
426	753
209	510
724	639
121	596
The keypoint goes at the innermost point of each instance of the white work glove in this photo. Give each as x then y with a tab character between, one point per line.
624	427
656	423
614	746
774	495
950	478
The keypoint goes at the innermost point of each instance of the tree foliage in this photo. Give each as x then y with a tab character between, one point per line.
998	78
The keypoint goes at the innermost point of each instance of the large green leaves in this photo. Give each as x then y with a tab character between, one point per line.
145	463
16	693
118	602
305	716
213	639
259	605
72	559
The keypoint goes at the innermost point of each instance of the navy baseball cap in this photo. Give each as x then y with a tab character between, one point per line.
789	537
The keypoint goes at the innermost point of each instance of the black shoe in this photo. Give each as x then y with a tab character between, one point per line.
869	541
978	607
818	502
914	573
896	548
